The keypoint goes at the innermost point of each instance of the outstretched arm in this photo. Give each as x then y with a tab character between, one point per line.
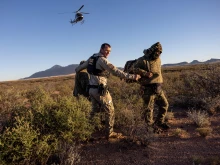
141	68
105	64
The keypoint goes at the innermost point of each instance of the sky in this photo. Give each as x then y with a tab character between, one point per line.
34	36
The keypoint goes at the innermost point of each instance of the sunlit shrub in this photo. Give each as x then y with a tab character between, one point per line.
205	131
200	118
34	132
180	133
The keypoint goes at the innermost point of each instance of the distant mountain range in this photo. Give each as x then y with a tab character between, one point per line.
194	62
57	70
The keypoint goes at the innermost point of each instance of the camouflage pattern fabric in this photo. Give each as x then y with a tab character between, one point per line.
104	103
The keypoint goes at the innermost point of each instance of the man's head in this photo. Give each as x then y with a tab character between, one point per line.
154	51
105	49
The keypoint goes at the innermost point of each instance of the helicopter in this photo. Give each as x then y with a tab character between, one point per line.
78	16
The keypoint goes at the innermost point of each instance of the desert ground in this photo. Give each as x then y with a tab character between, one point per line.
186	88
186	148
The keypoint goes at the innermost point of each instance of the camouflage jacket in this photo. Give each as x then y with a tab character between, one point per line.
143	65
103	64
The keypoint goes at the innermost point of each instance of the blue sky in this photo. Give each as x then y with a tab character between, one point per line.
34	37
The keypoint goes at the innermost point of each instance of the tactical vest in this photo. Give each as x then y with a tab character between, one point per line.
91	68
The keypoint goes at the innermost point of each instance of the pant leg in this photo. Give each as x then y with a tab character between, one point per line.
163	105
107	105
148	105
95	107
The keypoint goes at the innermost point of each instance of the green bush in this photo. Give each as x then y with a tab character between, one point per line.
34	132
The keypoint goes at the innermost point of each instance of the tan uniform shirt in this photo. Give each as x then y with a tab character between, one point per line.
103	64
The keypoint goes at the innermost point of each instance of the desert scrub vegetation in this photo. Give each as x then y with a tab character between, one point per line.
40	120
36	129
193	86
200	118
178	132
205	131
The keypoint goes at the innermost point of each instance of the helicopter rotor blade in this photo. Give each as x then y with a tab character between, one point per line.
84	13
65	12
80	8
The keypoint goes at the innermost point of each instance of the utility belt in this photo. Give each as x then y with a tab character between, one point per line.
156	87
102	89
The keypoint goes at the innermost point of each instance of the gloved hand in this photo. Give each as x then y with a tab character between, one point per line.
148	74
137	77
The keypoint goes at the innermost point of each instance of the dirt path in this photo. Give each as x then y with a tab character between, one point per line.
166	149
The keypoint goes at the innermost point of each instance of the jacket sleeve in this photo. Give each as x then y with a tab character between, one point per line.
106	65
139	67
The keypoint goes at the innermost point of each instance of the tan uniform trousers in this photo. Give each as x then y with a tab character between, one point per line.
106	104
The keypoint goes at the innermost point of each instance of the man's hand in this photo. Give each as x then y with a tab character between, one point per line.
137	77
149	74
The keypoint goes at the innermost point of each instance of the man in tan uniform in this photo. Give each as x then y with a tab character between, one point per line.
99	67
81	83
149	67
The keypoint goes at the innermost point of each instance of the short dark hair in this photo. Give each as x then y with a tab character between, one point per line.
103	45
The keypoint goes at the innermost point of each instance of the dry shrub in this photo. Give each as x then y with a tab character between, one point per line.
205	131
200	118
142	135
180	133
194	86
213	105
69	154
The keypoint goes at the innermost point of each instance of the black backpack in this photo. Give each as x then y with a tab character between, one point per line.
127	68
128	65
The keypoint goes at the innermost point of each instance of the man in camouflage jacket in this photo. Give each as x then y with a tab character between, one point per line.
102	99
149	67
